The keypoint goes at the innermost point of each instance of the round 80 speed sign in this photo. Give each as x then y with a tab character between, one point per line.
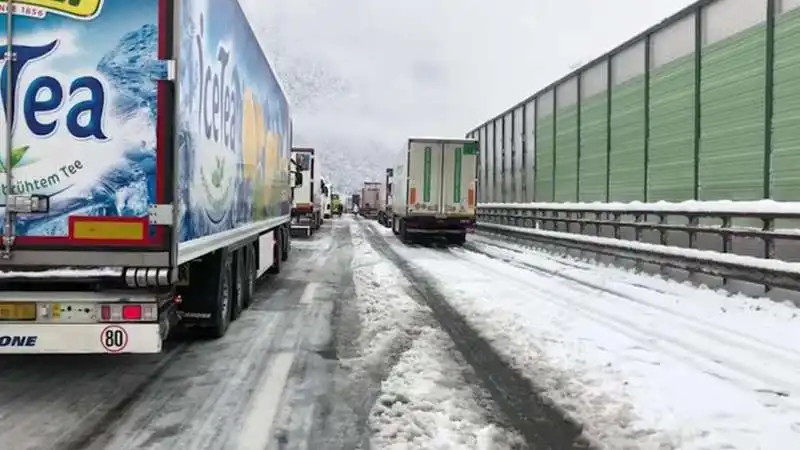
114	338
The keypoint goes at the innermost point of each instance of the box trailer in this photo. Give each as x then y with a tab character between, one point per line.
385	211
307	201
370	199
436	183
355	201
325	196
145	178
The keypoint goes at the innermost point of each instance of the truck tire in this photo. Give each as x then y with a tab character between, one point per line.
403	231
239	283
221	312
277	253
250	274
395	225
287	243
457	239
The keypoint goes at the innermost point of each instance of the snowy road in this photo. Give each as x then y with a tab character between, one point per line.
642	362
334	354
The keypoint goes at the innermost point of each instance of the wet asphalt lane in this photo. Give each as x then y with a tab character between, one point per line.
274	367
288	375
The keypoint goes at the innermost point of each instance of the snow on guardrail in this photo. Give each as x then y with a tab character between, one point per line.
719	207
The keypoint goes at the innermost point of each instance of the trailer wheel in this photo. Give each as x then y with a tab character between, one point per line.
250	274
221	313
395	224
287	243
277	252
403	231
239	283
457	239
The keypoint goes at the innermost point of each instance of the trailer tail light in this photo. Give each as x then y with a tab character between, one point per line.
412	196
131	312
128	312
471	197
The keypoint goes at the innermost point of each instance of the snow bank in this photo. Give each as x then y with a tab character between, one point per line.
719	206
644	363
425	402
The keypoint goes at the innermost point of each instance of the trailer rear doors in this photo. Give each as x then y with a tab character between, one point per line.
442	177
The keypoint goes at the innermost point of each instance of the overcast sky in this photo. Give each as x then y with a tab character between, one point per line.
365	74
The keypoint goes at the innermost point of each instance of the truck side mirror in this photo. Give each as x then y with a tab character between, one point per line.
298	179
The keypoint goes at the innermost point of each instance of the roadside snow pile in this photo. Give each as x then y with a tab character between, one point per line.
424	401
642	363
688	206
425	404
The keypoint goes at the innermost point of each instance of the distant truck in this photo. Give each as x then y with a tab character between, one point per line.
385	212
325	195
336	205
307	203
356	201
348	204
370	199
435	189
152	198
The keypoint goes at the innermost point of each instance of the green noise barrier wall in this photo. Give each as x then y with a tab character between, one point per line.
671	145
594	146
732	117
726	129
626	179
566	170
785	180
544	159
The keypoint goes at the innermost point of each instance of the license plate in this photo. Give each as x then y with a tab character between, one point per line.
17	311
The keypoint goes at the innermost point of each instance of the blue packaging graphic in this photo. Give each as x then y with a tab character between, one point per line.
83	116
82	110
234	141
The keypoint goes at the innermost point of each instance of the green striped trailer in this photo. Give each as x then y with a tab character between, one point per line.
436	192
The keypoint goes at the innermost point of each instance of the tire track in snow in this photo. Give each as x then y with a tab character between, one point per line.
749	344
541	423
741	374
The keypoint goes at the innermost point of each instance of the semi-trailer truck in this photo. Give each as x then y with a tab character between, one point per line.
385	211
145	176
348	204
325	196
307	203
336	205
435	193
370	199
356	202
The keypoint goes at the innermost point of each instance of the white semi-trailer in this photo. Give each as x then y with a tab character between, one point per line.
325	196
307	202
385	212
370	199
435	189
145	180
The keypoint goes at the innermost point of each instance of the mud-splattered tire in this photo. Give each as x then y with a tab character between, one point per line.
251	272
286	244
275	268
221	315
239	286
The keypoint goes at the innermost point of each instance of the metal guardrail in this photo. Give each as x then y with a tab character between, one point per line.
757	242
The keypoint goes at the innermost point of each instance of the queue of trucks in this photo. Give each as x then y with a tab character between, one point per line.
174	193
150	199
430	193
